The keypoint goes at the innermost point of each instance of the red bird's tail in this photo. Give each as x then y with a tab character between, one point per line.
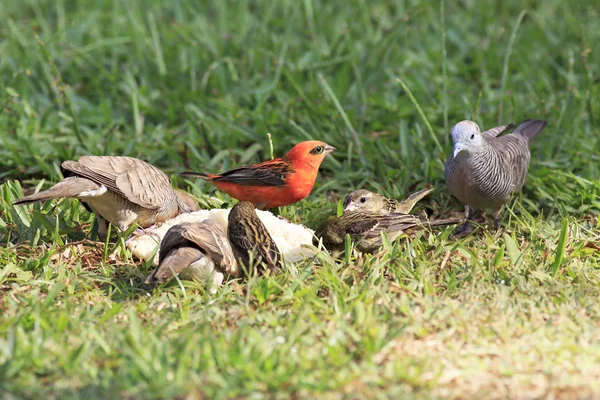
206	177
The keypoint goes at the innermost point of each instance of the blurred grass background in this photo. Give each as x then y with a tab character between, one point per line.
198	85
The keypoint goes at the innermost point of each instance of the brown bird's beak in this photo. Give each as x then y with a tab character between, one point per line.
351	206
329	149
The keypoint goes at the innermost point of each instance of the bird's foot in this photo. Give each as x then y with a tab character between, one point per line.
144	231
464	229
497	223
497	218
283	218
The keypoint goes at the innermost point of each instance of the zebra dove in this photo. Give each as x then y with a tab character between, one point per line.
485	169
119	190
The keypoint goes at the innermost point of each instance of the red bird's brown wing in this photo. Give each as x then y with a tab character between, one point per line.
268	173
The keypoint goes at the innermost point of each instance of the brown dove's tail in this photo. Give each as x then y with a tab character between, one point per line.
206	177
173	263
69	187
530	129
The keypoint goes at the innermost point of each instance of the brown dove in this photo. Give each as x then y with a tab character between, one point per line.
189	242
118	190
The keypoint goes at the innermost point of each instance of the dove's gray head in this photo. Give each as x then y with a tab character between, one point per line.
467	137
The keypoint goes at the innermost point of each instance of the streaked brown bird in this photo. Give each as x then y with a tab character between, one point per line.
365	229
367	201
250	240
188	242
486	169
119	190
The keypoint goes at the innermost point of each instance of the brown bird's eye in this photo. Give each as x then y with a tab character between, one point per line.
363	199
317	150
472	136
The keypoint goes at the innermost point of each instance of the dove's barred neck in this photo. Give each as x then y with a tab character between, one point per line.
496	171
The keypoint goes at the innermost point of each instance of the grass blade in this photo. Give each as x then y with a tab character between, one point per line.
561	246
511	42
422	114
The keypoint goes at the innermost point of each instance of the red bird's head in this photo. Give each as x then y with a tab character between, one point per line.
309	154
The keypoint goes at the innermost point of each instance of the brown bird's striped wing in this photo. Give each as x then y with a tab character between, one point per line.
247	234
332	233
136	180
268	173
371	226
366	229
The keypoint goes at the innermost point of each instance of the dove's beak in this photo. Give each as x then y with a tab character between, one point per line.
458	147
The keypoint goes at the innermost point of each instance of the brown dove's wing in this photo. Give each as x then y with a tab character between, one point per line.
212	240
172	239
497	131
187	242
136	180
173	262
268	173
176	254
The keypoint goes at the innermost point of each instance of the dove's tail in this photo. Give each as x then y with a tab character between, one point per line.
68	187
173	263
530	129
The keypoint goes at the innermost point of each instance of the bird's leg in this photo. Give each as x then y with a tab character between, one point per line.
497	217
144	231
466	228
102	227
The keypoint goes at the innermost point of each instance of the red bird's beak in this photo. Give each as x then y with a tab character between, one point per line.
329	149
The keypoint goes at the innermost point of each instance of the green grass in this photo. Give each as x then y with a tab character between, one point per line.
198	85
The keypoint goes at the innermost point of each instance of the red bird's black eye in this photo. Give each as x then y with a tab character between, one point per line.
317	150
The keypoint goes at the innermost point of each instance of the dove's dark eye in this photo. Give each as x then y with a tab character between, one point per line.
317	150
363	199
472	136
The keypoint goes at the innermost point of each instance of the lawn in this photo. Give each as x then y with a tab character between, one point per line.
199	85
